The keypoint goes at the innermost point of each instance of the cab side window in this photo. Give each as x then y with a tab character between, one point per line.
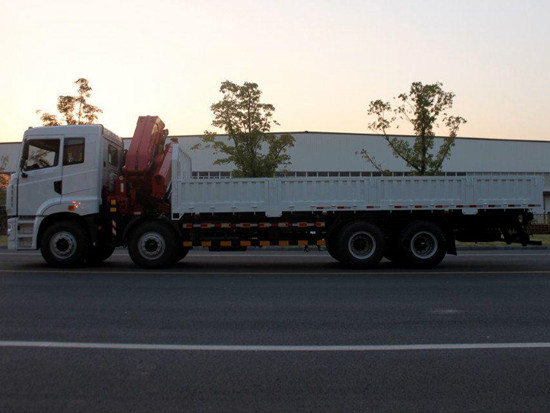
40	154
73	151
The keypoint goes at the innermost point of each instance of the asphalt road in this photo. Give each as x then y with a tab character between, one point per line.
276	331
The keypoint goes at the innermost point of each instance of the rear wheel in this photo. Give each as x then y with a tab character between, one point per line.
360	245
153	245
64	244
422	244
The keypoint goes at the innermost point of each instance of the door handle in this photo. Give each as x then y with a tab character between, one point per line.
57	187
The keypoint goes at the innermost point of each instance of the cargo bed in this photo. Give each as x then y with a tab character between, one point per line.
273	196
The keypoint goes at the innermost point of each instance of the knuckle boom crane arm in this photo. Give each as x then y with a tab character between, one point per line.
147	173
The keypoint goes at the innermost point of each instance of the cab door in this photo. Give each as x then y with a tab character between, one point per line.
40	179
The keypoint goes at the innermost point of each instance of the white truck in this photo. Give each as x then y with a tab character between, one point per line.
78	195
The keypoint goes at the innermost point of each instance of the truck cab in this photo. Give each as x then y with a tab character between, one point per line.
65	173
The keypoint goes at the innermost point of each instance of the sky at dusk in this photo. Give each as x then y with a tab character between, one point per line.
319	62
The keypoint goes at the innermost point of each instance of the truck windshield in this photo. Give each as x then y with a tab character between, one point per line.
40	153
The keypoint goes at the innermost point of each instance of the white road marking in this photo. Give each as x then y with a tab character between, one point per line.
268	348
446	311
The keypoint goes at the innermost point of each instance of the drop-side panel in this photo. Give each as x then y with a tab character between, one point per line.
222	195
423	192
509	190
277	195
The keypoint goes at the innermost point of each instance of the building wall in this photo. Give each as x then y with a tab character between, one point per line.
340	152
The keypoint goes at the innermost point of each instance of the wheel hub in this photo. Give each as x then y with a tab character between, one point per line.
151	245
424	245
361	245
63	245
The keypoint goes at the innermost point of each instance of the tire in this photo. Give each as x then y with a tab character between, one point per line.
153	245
360	245
100	253
64	244
422	244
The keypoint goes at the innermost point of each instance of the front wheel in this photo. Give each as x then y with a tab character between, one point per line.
422	244
64	244
153	245
360	245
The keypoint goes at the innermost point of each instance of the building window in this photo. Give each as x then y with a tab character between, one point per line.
73	151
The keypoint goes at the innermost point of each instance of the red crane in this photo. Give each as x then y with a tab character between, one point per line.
147	172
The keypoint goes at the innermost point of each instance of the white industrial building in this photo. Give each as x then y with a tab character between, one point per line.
337	154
